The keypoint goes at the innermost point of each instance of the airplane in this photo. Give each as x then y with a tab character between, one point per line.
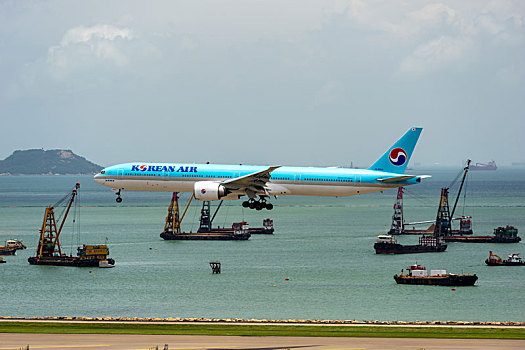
211	182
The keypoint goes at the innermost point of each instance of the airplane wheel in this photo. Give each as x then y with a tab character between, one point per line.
259	206
245	204
269	206
119	199
252	205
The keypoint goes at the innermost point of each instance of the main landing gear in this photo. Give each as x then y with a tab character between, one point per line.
119	198
257	204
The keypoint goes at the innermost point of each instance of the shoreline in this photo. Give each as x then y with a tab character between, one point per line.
241	321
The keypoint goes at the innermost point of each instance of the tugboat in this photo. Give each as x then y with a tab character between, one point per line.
386	244
513	260
417	274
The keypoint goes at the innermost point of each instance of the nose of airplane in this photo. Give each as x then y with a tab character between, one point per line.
98	178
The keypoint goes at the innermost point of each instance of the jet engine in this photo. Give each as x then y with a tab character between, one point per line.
209	191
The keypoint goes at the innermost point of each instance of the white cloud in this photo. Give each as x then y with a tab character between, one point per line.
84	45
400	20
437	54
433	14
84	34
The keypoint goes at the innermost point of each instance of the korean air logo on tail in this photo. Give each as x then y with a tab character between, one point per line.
398	156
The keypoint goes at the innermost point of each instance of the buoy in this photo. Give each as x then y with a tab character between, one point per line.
275	285
286	279
453	288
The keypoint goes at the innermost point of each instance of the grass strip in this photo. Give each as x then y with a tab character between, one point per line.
263	330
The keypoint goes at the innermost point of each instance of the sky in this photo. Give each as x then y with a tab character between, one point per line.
298	82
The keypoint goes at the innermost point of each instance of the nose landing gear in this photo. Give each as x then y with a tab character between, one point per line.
119	198
257	204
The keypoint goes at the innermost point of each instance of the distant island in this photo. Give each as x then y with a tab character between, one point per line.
50	162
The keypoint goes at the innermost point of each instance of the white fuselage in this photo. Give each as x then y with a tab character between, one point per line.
302	181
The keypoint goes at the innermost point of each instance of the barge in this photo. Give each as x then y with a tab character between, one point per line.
238	233
87	256
386	244
508	234
417	274
267	229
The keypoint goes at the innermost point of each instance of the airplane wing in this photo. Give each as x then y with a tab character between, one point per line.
252	183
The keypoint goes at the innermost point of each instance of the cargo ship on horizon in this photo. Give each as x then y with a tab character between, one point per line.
482	166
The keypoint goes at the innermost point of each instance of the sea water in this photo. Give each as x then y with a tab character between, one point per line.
324	246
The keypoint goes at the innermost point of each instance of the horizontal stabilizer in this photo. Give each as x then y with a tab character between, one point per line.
403	177
397	178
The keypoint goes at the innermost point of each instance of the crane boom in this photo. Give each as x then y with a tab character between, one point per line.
460	187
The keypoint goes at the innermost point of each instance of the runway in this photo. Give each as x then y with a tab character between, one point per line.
17	341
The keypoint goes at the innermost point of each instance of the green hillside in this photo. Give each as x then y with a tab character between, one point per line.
38	161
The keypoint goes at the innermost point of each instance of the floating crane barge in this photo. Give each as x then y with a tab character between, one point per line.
49	251
172	228
443	221
206	221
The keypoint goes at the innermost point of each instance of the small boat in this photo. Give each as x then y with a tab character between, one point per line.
15	243
6	250
2	261
417	274
106	263
513	260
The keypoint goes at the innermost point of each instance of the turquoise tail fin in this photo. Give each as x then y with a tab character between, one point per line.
396	159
